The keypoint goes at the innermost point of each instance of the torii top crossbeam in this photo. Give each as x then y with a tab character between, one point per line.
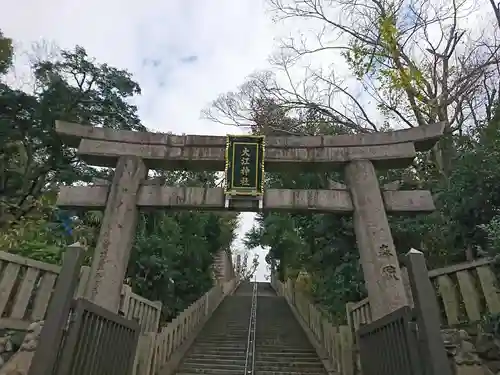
103	146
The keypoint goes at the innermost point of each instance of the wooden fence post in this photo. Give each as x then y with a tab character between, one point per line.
427	311
58	311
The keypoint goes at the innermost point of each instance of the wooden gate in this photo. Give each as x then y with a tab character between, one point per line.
98	342
408	341
389	345
79	337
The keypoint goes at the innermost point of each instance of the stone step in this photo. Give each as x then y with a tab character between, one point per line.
213	367
259	346
226	345
258	340
208	343
279	340
265	356
242	323
221	344
221	331
221	352
223	349
290	367
224	372
265	346
218	328
281	345
204	362
269	365
228	337
240	369
287	356
283	340
261	328
279	348
215	356
288	362
210	359
282	348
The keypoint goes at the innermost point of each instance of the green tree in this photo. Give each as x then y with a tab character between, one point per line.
73	88
173	256
376	42
471	202
173	253
6	53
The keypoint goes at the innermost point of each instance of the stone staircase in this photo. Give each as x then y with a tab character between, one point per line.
281	345
220	347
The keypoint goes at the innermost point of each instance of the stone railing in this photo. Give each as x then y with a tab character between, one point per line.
223	266
26	286
460	289
146	312
163	351
336	341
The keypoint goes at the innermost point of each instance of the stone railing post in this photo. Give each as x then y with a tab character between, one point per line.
383	278
207	303
118	227
228	266
238	264
428	316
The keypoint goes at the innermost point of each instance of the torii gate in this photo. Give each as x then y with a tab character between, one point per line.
133	153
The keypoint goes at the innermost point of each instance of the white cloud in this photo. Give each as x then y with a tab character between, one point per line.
225	40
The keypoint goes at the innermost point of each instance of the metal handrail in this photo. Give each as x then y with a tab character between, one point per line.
254	296
250	353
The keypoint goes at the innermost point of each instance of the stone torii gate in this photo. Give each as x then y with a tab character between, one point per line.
133	153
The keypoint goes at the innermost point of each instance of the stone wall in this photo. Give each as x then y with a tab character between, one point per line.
18	349
469	353
10	342
472	354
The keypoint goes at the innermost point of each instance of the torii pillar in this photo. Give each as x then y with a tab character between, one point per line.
116	235
382	273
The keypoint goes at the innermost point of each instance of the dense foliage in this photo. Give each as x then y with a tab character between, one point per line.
465	226
173	253
407	64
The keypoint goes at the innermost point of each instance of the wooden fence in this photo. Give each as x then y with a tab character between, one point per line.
26	286
156	351
464	291
336	340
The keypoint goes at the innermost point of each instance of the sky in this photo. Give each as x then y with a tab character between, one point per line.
183	53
